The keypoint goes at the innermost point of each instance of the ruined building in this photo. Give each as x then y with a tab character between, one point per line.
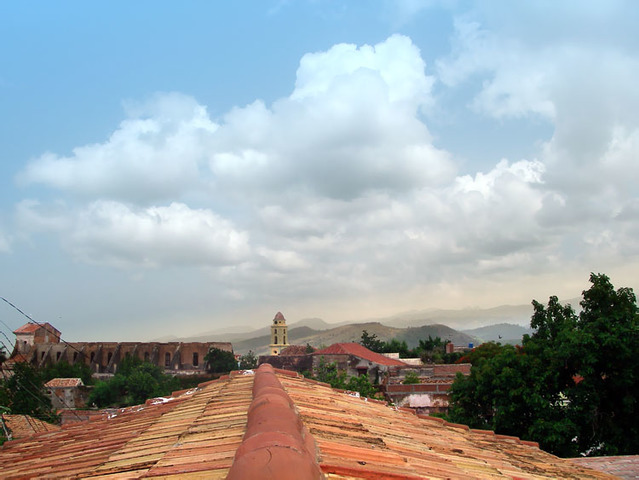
39	344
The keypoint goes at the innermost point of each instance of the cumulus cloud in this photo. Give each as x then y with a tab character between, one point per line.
340	187
154	154
112	233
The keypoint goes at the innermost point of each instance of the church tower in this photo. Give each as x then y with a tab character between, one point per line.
279	334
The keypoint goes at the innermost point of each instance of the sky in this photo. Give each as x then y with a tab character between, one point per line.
172	169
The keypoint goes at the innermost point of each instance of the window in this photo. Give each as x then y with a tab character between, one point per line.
75	356
167	359
57	356
275	339
146	356
41	355
284	339
109	357
275	331
195	359
92	356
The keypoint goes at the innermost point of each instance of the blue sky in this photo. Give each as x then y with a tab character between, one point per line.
169	169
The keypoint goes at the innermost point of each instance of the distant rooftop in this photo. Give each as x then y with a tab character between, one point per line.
359	351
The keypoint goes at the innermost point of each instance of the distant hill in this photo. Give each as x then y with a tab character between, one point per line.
502	332
353	333
464	318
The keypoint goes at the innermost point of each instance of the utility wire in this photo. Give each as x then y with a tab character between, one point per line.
40	325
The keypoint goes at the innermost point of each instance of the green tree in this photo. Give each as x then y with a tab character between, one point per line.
65	370
329	373
23	393
571	386
371	342
134	383
410	378
248	361
220	361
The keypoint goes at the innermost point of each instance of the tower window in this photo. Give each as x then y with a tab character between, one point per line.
275	339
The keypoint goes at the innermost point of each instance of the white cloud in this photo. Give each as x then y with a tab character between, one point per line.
114	234
340	189
154	154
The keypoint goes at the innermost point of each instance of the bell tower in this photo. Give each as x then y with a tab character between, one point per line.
279	334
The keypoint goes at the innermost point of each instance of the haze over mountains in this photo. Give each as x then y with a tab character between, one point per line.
506	324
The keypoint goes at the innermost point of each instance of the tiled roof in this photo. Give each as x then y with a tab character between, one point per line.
276	424
64	383
279	316
24	425
359	351
626	467
295	350
27	328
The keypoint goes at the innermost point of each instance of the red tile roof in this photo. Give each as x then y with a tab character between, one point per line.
27	328
22	426
276	424
626	467
33	327
64	383
295	350
279	316
359	351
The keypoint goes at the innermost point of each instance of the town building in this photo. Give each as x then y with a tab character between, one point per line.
275	424
41	345
67	393
279	334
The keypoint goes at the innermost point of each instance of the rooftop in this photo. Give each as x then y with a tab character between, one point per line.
276	424
22	426
359	351
64	383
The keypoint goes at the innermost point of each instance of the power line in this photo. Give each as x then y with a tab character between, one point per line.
39	325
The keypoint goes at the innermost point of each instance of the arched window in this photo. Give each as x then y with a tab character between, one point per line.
146	356
275	339
196	359
167	359
92	356
284	340
109	357
57	356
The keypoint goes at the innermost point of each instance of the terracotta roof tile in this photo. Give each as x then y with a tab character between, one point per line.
295	350
22	426
271	425
623	466
359	351
64	383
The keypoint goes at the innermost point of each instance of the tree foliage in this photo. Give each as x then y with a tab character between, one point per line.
24	393
134	383
336	378
64	369
248	361
220	361
572	384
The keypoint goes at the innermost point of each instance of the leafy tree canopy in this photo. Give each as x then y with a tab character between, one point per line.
134	383
248	361
572	384
23	393
220	361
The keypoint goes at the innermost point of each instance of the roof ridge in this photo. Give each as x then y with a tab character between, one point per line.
276	444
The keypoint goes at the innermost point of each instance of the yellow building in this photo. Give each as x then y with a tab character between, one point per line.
279	334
